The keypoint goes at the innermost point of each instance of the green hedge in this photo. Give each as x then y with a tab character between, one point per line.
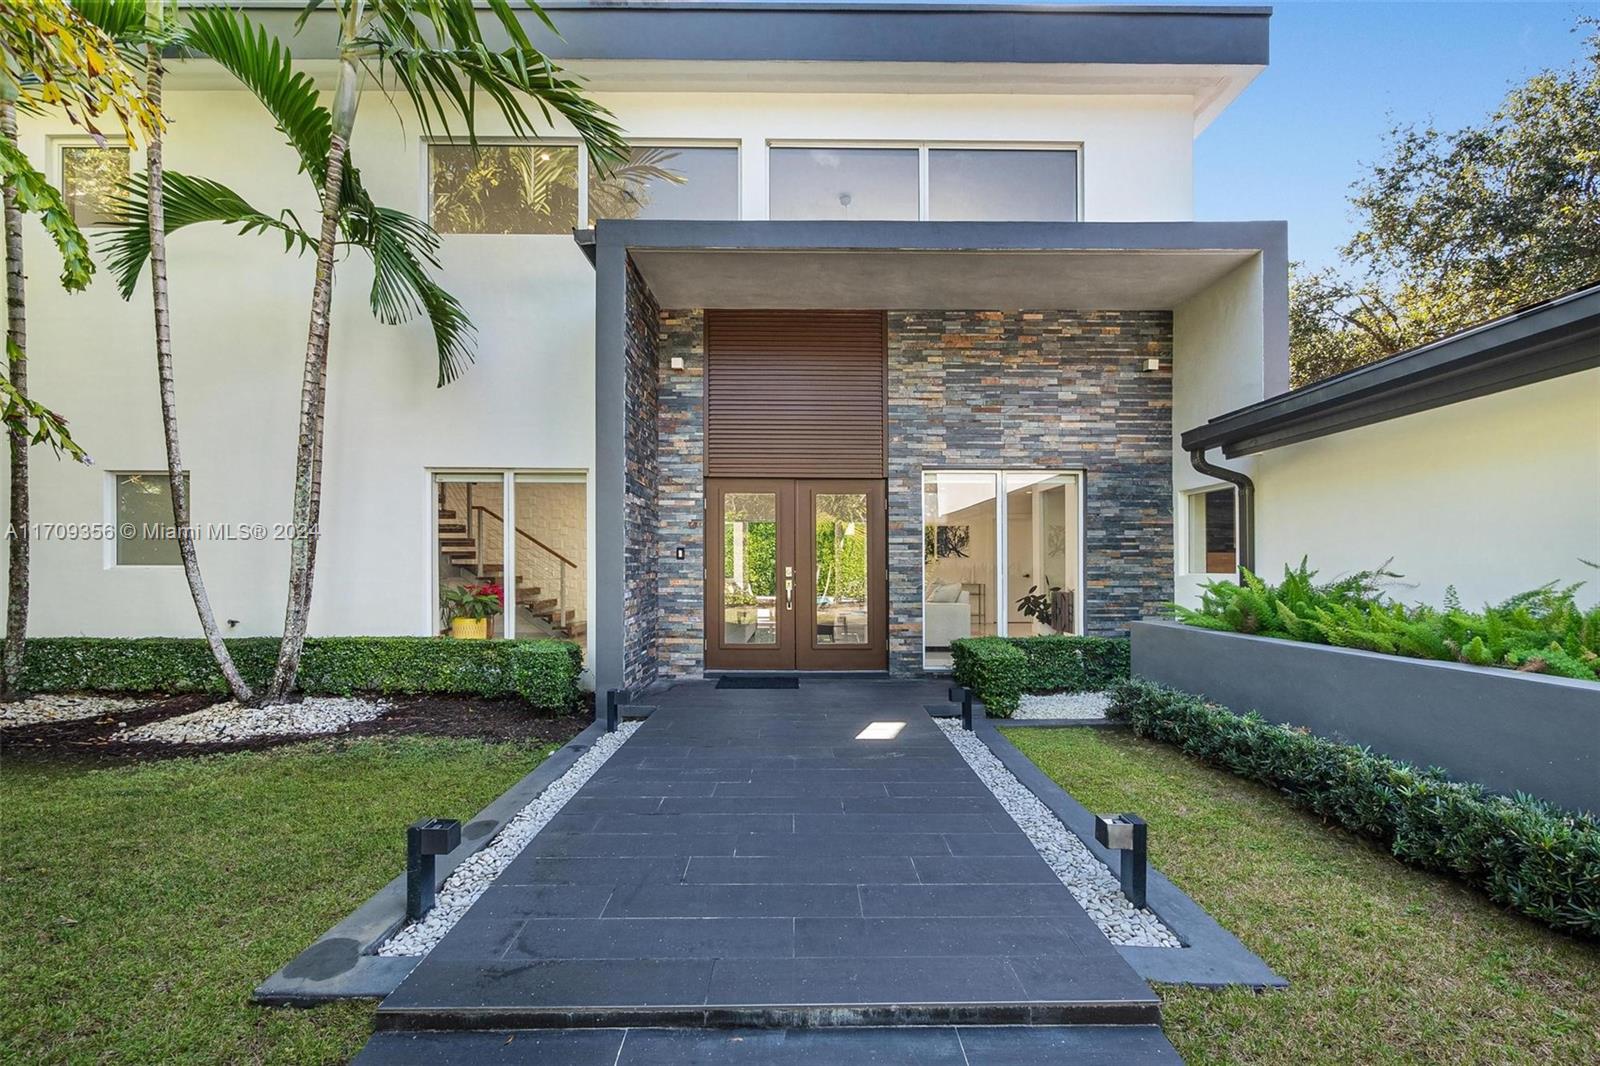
1000	669
1528	855
543	672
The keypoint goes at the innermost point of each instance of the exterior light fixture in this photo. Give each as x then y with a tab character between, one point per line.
1126	834
676	362
881	731
1151	365
424	840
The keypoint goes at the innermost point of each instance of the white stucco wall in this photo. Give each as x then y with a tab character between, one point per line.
1217	366
1494	495
240	309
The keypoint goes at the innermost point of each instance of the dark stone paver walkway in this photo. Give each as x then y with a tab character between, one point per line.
744	860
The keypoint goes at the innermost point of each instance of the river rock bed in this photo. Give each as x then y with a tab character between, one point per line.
227	722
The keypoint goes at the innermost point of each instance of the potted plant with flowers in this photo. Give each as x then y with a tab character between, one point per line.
468	608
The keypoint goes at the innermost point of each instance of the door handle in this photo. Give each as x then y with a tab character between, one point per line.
788	587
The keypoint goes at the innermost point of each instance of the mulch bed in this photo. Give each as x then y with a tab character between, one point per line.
438	716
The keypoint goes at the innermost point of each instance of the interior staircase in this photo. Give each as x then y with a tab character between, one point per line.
540	612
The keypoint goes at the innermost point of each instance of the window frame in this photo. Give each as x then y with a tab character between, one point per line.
1185	532
1002	600
508	503
114	523
924	147
56	174
583	221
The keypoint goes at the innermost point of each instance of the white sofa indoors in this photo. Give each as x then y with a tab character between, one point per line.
946	614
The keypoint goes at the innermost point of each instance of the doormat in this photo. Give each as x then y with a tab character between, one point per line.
758	681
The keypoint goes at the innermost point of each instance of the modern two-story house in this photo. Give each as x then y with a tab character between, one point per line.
884	338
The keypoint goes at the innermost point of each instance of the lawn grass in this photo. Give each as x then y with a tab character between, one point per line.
1386	964
143	901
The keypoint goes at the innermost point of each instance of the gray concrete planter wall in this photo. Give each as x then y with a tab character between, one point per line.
1508	731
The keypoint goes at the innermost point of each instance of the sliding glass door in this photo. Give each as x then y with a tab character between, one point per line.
1002	554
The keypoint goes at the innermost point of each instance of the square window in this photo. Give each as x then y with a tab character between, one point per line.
1213	532
666	182
503	188
91	179
146	535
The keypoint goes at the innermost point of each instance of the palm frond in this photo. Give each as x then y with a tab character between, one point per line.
403	250
35	195
189	201
121	20
264	66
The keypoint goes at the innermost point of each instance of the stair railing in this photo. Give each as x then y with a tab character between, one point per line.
563	564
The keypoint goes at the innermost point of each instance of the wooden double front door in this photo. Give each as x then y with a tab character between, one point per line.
796	574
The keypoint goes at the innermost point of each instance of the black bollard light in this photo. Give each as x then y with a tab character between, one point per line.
613	698
1128	835
425	839
966	709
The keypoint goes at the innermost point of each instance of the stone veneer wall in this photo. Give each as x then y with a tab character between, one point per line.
1047	389
640	611
680	595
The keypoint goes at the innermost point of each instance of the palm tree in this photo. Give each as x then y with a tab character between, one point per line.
53	57
435	52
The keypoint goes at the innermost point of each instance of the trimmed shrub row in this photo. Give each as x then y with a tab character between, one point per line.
543	672
1527	855
999	670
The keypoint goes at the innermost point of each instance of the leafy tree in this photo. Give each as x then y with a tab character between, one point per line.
53	58
1461	226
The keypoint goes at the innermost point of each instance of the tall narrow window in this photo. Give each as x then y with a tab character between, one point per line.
1042	559
960	560
668	182
469	515
1213	532
750	568
843	183
842	521
146	535
503	188
91	179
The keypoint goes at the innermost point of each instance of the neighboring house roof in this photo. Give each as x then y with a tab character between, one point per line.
1545	340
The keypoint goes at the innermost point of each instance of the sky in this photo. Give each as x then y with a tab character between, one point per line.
1341	74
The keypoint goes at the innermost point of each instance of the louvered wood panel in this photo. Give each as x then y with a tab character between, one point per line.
795	394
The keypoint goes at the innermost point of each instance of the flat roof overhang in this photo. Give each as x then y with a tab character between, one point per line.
1558	337
1209	54
923	265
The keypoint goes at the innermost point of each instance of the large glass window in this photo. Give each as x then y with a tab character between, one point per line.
535	562
750	568
843	183
989	568
1002	185
669	182
841	523
91	179
146	535
1213	532
503	188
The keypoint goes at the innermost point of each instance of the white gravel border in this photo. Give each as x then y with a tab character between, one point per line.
58	707
225	722
469	880
1082	705
1090	882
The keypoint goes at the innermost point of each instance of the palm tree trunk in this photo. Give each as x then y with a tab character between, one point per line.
313	386
17	358
169	402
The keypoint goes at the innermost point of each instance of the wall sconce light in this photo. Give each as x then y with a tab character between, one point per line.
1152	364
676	362
424	840
1127	834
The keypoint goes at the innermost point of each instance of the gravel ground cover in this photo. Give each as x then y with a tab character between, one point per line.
469	880
228	721
63	707
1091	705
1090	882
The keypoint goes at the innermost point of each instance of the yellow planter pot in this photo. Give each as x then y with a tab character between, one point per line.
469	628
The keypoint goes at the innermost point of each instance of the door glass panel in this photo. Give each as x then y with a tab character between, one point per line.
1041	553
469	519
552	544
959	561
842	534
749	568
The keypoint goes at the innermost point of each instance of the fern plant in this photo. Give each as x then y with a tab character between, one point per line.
1543	630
